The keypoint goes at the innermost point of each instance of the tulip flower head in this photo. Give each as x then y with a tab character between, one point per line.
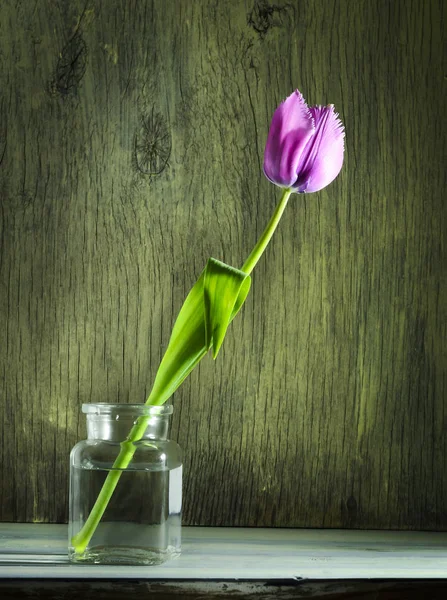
305	145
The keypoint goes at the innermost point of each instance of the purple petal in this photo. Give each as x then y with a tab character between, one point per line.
291	128
322	159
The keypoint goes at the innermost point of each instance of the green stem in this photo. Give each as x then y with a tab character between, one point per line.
257	251
81	540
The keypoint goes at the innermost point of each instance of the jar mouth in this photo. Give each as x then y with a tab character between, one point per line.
102	408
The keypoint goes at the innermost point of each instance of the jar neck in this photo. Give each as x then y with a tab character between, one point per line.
113	422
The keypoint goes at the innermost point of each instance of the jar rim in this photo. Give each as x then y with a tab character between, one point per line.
104	408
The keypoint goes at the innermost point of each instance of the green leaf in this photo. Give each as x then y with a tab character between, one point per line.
225	290
210	306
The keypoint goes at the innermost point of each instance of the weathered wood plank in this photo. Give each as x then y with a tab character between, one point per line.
212	590
221	553
131	141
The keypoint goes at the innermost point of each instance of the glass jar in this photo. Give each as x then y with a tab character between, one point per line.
128	459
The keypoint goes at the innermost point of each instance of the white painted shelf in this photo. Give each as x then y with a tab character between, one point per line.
39	551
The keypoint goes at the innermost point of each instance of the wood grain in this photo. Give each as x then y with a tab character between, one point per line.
131	144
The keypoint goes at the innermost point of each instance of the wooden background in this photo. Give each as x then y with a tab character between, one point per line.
131	147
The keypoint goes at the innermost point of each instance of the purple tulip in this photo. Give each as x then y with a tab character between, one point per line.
304	149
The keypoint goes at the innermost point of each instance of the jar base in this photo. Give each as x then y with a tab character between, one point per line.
122	555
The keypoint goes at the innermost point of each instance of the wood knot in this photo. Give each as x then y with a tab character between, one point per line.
70	67
152	146
262	16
